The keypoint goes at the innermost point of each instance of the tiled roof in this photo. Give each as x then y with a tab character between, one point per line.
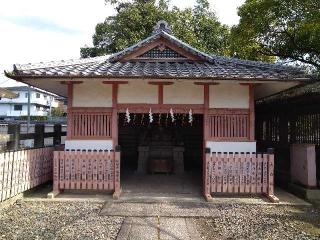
220	68
295	92
208	67
115	57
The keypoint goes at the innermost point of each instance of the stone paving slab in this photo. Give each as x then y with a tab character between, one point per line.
173	229
153	228
186	209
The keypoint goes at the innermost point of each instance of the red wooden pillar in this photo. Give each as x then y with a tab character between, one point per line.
251	127
70	104
160	90
114	121
114	131
206	136
252	113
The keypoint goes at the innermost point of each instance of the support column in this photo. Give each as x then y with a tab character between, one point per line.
70	104
115	88
251	130
206	137
114	132
160	90
252	113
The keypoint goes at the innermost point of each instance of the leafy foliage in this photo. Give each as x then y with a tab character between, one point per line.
57	112
135	20
287	29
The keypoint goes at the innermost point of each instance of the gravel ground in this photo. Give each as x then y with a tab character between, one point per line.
44	220
82	220
261	222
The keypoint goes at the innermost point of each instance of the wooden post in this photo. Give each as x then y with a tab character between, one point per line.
56	176
117	186
270	188
206	176
114	130
39	135
252	113
57	134
14	130
69	111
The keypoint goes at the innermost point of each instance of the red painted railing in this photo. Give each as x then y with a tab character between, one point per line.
86	170
239	173
90	123
226	125
24	169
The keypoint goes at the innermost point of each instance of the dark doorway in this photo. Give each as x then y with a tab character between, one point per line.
162	133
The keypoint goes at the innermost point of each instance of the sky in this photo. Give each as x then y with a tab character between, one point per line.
42	30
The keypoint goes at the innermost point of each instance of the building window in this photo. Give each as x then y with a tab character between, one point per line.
18	95
26	95
17	107
37	95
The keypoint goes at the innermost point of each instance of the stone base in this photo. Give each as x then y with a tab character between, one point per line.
303	192
53	194
272	198
116	194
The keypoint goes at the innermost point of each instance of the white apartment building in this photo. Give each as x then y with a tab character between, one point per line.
40	102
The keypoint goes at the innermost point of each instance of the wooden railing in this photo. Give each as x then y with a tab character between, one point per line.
229	125
86	170
23	170
239	173
90	123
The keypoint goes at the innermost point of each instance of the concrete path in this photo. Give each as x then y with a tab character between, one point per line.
156	228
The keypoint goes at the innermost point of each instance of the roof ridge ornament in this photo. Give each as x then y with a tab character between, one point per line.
162	26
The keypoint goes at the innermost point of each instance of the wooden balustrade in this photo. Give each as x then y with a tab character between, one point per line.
229	125
90	123
96	170
24	169
239	173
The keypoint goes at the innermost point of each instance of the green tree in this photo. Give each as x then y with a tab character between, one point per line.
135	20
287	29
57	112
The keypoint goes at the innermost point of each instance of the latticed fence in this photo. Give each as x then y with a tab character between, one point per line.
279	128
239	173
24	169
98	170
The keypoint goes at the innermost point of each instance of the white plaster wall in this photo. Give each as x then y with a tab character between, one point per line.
138	91
183	92
92	93
229	95
89	145
231	146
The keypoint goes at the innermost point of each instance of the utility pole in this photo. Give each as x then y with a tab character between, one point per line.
28	120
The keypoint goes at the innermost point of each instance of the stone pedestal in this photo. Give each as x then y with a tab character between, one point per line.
303	164
178	160
143	159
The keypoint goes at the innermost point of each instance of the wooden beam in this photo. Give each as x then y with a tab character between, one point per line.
70	82
115	82
160	108
161	83
206	83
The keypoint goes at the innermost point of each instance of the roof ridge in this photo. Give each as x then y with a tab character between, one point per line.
160	33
